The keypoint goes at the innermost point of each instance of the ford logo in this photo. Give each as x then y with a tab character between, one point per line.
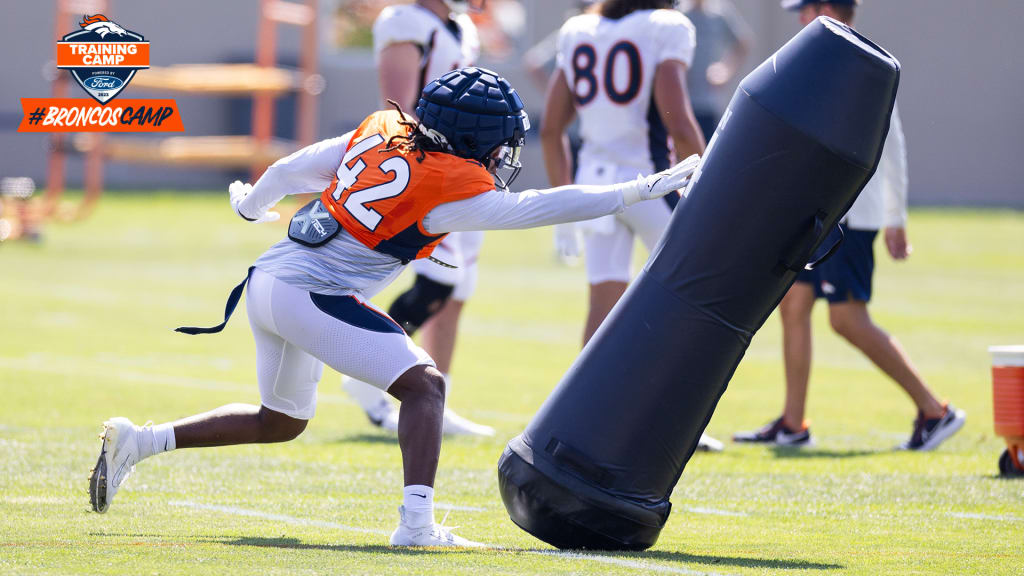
103	83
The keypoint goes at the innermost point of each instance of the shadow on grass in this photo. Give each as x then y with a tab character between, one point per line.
735	561
366	438
657	555
808	453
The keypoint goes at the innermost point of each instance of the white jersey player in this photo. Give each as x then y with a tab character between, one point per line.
622	69
414	44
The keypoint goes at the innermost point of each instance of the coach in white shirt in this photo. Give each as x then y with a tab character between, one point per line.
845	282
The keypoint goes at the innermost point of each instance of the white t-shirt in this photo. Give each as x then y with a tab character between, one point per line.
446	45
609	65
883	202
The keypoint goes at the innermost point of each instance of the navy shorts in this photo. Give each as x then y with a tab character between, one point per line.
847	274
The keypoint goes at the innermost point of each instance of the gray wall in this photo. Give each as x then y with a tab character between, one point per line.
962	77
960	90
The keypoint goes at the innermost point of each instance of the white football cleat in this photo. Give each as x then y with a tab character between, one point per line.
432	535
455	425
709	444
384	415
118	456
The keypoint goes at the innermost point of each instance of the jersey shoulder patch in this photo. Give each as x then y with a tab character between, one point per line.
401	23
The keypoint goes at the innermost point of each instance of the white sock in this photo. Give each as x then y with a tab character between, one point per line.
419	505
155	439
371	399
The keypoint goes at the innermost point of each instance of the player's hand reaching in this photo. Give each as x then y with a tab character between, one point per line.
896	242
568	243
237	192
660	184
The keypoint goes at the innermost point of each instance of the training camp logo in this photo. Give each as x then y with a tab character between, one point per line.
102	56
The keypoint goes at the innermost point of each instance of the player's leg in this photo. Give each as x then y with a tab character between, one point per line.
607	258
440	332
356	338
848	313
790	429
797	351
236	424
287	376
421	390
431	288
852	321
935	420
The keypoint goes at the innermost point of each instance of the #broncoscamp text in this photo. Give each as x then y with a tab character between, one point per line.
82	116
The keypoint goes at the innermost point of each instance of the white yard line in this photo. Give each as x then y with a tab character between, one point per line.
114	372
714	512
973	516
276	517
456	508
613	560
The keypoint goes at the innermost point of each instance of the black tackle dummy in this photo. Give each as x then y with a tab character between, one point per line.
802	135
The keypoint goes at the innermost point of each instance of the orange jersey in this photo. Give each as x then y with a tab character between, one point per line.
381	197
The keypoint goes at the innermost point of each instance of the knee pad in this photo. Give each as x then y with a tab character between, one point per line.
419	303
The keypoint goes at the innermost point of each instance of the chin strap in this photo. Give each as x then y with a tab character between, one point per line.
436	261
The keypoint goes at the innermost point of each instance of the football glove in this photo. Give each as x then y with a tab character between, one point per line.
237	192
660	184
568	244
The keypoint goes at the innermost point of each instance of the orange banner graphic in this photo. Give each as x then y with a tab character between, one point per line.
85	115
102	54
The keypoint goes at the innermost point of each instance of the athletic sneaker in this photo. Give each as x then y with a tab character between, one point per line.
455	425
384	415
118	456
929	433
432	535
709	444
776	432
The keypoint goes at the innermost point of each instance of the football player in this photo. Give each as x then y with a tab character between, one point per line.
390	192
413	44
622	70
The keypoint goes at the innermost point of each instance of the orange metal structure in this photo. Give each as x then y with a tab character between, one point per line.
263	80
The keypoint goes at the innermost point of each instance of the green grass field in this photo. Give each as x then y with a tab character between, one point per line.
85	333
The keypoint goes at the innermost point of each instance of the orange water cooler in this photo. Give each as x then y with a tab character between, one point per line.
1008	405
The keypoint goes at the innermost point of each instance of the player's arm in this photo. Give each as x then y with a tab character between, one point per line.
673	101
740	41
893	171
500	210
539	57
307	171
399	74
558	114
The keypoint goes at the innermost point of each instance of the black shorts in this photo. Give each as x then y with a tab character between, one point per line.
847	274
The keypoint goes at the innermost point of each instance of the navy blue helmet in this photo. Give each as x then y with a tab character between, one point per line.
472	113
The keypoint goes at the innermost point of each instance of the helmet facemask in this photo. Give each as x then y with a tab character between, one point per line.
507	158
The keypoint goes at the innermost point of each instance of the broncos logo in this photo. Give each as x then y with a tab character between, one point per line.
101	25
